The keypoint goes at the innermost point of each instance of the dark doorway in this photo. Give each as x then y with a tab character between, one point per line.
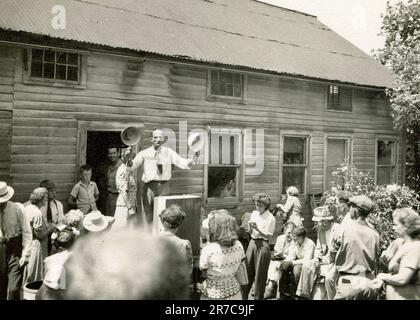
97	156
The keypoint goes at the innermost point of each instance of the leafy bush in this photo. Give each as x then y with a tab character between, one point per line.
386	198
347	177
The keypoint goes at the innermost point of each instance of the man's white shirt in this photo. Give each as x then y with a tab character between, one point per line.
150	158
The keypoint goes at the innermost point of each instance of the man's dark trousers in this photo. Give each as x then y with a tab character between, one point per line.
10	271
151	190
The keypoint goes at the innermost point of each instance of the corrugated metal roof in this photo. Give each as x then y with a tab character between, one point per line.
242	33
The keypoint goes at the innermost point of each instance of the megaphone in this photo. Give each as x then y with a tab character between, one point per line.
130	136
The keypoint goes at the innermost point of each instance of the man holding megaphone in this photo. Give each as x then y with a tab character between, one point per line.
157	162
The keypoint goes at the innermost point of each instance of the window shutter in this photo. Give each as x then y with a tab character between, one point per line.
346	97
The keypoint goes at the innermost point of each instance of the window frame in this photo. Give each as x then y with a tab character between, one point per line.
394	158
336	136
82	67
327	95
296	134
231	201
244	83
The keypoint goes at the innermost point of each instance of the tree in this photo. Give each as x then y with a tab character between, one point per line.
401	54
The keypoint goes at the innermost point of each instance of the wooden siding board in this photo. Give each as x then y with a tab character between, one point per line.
35	176
7	64
43	149
28	131
43	158
6	91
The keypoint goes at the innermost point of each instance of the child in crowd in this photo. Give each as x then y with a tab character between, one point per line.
85	193
292	209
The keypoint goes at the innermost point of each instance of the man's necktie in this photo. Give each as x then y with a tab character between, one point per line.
49	212
49	220
158	163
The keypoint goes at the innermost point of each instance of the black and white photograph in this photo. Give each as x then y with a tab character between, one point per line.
210	150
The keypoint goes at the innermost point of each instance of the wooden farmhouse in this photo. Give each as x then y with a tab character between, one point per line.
74	75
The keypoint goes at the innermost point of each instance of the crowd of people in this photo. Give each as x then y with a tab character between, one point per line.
69	254
81	255
85	254
343	264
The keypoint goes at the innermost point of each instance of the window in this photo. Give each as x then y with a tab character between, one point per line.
339	98
224	169
55	65
337	151
295	163
385	161
226	84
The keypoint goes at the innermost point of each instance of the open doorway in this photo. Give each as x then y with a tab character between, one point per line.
97	144
94	137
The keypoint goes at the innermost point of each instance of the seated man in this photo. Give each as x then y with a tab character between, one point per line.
301	251
281	251
324	252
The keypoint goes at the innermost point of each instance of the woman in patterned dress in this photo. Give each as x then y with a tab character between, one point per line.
220	259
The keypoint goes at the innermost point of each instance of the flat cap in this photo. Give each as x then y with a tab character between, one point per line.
362	202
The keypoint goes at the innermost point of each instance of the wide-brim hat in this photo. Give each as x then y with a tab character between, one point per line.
322	213
96	221
6	192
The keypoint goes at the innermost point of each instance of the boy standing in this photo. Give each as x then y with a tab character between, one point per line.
85	193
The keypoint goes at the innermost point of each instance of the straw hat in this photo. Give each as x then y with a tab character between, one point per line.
96	221
6	192
322	213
